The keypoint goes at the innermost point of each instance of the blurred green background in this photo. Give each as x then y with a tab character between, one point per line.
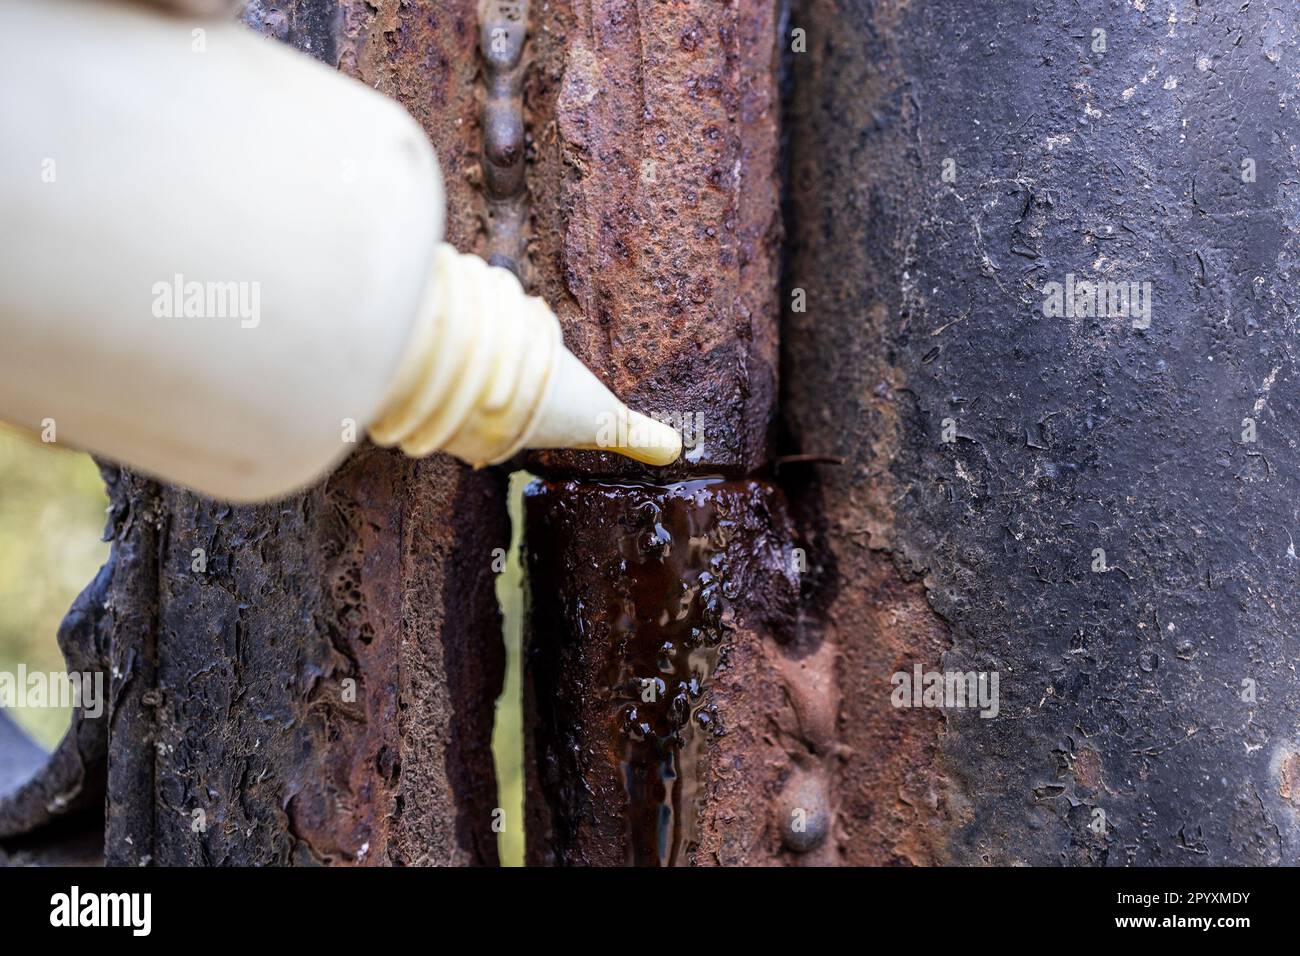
52	514
507	736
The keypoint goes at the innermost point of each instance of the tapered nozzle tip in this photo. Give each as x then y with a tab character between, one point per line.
580	412
650	442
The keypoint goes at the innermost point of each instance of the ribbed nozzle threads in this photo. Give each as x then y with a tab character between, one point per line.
486	374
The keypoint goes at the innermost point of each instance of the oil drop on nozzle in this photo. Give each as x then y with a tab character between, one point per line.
220	278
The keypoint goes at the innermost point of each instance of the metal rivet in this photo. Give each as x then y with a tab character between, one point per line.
804	813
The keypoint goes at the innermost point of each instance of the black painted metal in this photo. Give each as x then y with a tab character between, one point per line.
1150	708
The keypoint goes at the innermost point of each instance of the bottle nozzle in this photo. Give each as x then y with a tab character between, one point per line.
487	375
578	411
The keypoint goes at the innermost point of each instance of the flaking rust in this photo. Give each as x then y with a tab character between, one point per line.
675	713
655	226
661	720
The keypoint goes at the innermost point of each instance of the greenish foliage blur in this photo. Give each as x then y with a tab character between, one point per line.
507	735
52	514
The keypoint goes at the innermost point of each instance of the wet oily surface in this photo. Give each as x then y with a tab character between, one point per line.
634	600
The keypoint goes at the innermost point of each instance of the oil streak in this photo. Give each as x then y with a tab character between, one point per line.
666	637
631	591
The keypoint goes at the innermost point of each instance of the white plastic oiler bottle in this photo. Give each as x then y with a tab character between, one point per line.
219	259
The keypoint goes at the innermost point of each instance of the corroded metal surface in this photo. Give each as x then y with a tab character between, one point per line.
311	728
1148	703
135	523
673	714
656	228
312	681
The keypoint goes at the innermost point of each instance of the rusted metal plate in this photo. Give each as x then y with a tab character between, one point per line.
655	228
946	165
313	681
673	716
135	521
311	677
